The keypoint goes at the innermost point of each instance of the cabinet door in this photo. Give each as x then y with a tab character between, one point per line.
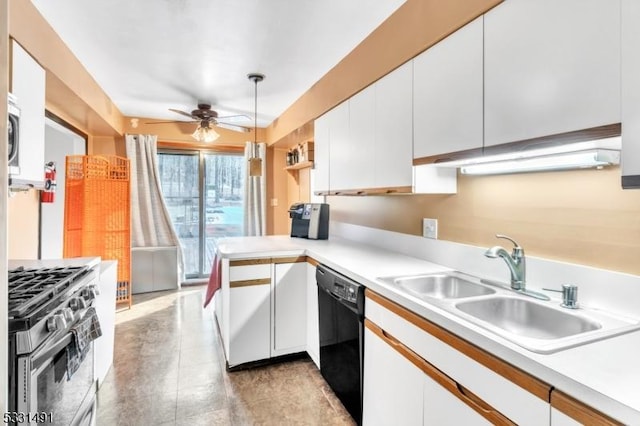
249	323
313	325
321	155
630	94
441	407
249	313
394	128
551	66
362	134
290	308
447	94
393	386
28	84
106	310
339	147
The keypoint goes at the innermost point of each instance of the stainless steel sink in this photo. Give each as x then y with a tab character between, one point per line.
527	318
441	286
542	327
539	326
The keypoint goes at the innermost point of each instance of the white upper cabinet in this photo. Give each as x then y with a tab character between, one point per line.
630	94
393	129
321	155
368	139
361	141
28	85
550	66
339	147
447	94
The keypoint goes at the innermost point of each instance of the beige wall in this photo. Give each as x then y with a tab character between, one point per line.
579	216
24	219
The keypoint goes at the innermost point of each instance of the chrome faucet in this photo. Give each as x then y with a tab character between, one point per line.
515	261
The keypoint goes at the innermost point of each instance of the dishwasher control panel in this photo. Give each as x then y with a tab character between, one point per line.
340	286
345	290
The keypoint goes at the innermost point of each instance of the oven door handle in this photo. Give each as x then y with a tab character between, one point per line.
47	353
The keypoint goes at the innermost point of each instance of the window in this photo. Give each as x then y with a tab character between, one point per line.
204	192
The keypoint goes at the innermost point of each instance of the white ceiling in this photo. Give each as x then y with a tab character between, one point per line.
151	55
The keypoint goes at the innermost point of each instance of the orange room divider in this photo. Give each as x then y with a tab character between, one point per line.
97	213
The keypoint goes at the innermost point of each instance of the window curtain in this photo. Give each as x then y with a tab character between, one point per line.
151	224
255	220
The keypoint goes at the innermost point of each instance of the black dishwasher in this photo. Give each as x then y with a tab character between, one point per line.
341	317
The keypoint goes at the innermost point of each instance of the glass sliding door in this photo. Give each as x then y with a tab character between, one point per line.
224	199
204	192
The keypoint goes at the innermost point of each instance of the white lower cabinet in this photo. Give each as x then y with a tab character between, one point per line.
393	386
401	388
313	323
462	383
289	307
250	325
269	308
249	312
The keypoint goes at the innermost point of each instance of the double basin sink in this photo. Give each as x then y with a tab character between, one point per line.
539	326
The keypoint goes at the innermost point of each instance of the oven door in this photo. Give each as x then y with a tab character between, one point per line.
44	388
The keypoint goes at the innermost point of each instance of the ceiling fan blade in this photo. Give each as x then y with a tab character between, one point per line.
172	121
234	127
232	117
186	114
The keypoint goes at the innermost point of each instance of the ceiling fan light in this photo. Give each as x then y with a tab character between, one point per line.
205	134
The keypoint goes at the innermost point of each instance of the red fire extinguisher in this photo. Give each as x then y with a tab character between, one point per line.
48	194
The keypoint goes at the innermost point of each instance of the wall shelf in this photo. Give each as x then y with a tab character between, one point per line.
300	165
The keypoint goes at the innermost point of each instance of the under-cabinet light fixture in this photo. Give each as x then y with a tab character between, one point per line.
597	158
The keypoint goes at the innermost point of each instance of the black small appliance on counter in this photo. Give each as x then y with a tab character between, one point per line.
310	220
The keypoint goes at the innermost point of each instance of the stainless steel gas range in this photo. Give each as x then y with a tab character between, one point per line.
52	325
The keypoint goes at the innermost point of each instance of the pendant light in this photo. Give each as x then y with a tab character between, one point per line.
255	162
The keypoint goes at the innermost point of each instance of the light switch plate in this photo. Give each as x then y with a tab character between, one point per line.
430	228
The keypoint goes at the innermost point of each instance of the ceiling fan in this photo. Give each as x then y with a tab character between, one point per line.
207	118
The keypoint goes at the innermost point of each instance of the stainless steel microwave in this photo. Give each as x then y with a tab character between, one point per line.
14	135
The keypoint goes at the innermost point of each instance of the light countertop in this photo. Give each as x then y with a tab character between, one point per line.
52	263
603	374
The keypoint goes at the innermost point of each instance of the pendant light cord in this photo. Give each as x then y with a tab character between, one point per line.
255	119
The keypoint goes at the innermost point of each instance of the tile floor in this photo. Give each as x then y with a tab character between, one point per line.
169	370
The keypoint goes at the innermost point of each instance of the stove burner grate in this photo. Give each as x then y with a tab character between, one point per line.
29	289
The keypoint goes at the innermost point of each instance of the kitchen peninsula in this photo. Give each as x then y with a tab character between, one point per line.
602	374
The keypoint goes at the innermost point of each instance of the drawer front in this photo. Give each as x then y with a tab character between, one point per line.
528	405
249	272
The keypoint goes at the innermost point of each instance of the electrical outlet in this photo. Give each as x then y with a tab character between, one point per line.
430	228
274	202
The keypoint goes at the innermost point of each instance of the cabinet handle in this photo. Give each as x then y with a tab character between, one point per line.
249	283
390	339
465	395
472	399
